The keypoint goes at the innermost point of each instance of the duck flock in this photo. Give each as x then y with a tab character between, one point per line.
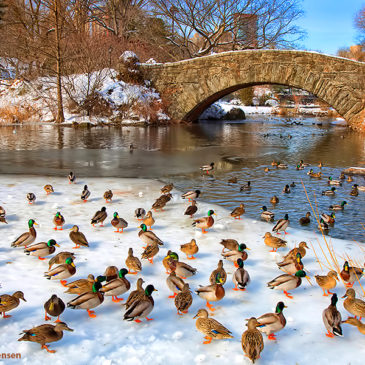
88	293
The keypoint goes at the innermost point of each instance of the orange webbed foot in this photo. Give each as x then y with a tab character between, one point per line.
48	350
91	313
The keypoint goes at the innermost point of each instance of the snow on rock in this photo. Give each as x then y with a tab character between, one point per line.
128	57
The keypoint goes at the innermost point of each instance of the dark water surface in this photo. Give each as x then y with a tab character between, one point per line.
174	153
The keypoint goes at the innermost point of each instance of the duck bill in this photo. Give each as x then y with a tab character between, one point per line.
345	296
73	265
69	329
307	277
36	224
57	245
247	248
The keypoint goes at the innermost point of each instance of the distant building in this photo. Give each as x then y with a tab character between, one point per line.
246	30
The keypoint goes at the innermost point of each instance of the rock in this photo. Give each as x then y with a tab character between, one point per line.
235	114
129	68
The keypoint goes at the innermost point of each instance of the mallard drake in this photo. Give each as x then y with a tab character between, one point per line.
117	286
342	176
330	192
329	219
327	282
45	333
219	270
282	166
234	255
355	322
281	224
353	305
305	220
183	300
332	318
274	163
118	223
85	194
292	266
60	258
252	341
167	188
2	215
205	222
31	198
42	249
58	221
338	206
287	282
182	269
266	214
274	242
233	180
293	252
246	187
207	168
54	306
108	196
272	322
141	307
150	252
148	237
166	260
323	226
133	263
174	283
191	209
330	181
135	294
354	191
349	179
78	238
9	302
351	274
149	220
81	286
99	217
299	167
213	292
191	195
26	238
229	244
238	211
88	300
111	273
71	177
211	328
48	189
293	185
190	248
274	200
286	189
61	272
240	277
140	213
304	164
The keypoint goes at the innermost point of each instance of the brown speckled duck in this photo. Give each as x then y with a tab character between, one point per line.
252	341
183	300
219	270
274	242
327	282
9	302
238	211
190	248
78	238
54	306
133	263
353	305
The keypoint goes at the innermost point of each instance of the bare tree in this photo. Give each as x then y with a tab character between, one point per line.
200	27
360	24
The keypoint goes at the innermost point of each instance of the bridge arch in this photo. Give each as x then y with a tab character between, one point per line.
190	86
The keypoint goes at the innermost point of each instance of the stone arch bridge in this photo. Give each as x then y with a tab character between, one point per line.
190	86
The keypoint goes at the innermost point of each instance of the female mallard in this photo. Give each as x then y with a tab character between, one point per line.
353	305
281	224
274	200
205	222
266	169
211	328
240	277
88	300
135	294
174	283
45	333
354	191
167	188
99	217
140	213
238	211
2	215
291	267
234	255
246	187
58	221
148	237
293	252
293	185
191	195
252	341
71	177
355	322
54	306
207	168
31	198
330	192
150	252
9	302
219	270
133	263
266	214
81	286
48	189
183	300
320	164
272	322
159	204
117	286
108	196
78	238
332	318
42	249
233	180
330	181
338	206
349	179
60	258
141	307
182	269
327	282
229	244
85	194
212	293
149	221
190	248
191	209
274	242
351	274
305	220
287	282
26	238
61	272
286	189
111	273
118	223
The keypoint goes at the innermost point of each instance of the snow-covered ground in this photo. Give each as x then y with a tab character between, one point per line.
169	338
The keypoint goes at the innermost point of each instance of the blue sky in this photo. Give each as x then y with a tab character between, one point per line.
329	24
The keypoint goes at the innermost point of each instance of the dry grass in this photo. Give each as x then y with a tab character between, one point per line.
16	114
